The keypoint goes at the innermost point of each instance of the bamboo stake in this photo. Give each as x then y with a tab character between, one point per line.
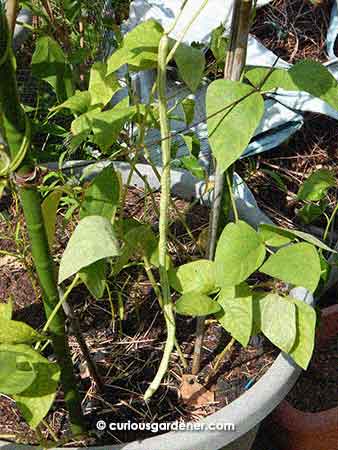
11	13
234	65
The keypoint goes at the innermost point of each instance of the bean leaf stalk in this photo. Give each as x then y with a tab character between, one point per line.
16	133
234	66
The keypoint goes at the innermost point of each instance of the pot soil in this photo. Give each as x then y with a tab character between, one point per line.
308	418
127	349
294	29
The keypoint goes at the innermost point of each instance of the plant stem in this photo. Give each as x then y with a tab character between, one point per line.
30	199
163	225
62	299
229	181
74	328
185	30
219	360
15	126
157	290
234	65
329	222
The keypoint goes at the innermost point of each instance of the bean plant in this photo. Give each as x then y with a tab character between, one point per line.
220	284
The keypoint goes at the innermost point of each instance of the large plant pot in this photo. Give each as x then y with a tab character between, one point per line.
292	429
247	411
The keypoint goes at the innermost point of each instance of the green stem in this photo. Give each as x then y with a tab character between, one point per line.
219	360
234	66
15	126
30	199
329	222
185	30
163	224
63	298
157	290
229	181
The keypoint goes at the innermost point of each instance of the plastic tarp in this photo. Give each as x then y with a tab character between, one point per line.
283	111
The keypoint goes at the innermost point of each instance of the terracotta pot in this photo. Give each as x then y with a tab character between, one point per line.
292	429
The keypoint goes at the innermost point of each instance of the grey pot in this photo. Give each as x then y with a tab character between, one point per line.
247	411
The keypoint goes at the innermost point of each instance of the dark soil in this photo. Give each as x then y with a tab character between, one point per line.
311	148
127	350
294	29
317	388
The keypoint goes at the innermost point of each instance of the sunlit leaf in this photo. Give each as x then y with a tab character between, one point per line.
234	111
139	48
237	312
240	251
197	276
196	304
298	264
93	239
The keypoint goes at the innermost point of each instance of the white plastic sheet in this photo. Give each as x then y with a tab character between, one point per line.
283	115
215	13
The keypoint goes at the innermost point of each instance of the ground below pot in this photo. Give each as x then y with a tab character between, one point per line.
293	429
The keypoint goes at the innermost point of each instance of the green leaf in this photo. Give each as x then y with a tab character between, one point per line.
268	79
190	63
237	314
298	264
325	270
188	106
93	239
139	48
240	251
197	276
278	321
49	209
6	309
312	240
107	125
79	103
274	236
235	111
277	236
316	186
35	401
308	76
303	348
311	212
102	197
193	144
193	165
16	373
14	332
49	64
94	277
83	123
196	304
314	78
102	87
219	44
139	241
